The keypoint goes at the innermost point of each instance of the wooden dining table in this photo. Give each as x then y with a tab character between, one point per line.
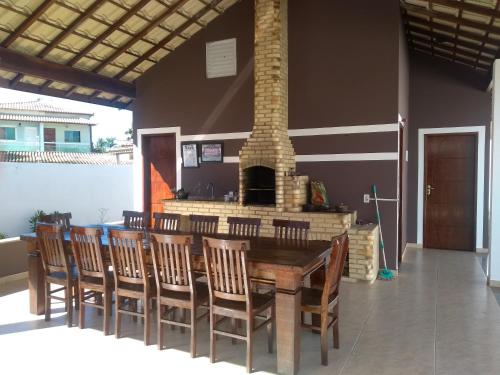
284	263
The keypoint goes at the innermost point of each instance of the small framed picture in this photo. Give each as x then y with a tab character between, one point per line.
211	152
190	155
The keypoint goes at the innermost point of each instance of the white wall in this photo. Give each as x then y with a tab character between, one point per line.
494	213
77	188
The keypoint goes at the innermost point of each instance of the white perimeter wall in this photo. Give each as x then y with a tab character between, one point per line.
79	189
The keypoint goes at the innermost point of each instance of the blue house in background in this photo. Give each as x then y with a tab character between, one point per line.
38	126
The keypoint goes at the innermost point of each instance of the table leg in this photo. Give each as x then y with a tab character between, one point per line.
36	283
288	299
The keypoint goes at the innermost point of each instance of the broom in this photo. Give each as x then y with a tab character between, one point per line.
384	274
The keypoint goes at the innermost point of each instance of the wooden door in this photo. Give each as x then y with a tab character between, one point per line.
159	170
450	191
49	139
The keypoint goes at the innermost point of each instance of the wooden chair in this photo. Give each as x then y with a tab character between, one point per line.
244	226
57	268
291	230
325	302
63	219
93	272
203	224
231	294
166	222
135	219
175	284
132	281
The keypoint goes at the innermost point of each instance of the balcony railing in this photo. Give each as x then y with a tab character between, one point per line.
48	146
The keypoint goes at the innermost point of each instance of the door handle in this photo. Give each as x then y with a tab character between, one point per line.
429	189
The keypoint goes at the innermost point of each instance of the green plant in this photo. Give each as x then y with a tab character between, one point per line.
2	236
35	218
103	145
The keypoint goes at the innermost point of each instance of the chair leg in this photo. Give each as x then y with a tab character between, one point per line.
118	316
335	328
133	306
99	301
76	296
249	343
147	319
183	319
233	330
107	311
193	331
212	336
47	301
81	314
69	303
159	332
270	329
324	338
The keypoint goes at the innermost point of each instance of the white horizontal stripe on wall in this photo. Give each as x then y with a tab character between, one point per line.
370	156
356	129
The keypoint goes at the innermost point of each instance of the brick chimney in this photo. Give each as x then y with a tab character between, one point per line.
269	148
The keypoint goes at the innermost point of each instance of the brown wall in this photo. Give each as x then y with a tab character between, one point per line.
343	70
443	94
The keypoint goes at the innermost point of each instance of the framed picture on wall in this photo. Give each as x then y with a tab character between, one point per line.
211	152
190	155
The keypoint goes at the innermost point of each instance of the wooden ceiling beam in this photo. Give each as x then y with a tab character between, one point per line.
436	38
27	23
168	38
21	63
447	17
71	27
469	7
449	29
110	30
448	48
146	30
64	33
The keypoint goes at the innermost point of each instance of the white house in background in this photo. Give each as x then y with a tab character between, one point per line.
39	126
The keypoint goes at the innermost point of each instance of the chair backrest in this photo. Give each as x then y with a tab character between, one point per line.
164	221
128	257
226	265
340	248
50	238
244	226
88	252
135	219
291	230
172	262
203	224
63	219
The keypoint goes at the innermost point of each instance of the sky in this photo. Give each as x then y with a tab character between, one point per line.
111	122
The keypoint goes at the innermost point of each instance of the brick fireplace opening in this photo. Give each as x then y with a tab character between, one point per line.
260	186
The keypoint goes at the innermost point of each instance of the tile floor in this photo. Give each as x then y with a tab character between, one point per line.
437	317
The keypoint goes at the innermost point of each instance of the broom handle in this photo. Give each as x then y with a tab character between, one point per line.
379	226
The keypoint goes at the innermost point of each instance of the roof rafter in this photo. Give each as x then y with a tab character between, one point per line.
63	34
168	38
21	63
27	23
146	30
450	18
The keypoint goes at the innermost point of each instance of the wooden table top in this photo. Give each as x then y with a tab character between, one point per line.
263	250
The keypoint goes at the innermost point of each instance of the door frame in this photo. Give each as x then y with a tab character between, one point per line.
480	131
138	166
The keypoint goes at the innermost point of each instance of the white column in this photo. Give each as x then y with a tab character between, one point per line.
494	212
41	137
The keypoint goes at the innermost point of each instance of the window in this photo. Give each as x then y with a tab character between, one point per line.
72	136
8	134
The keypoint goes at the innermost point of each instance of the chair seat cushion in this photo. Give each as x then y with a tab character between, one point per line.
312	297
62	275
260	302
201	293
